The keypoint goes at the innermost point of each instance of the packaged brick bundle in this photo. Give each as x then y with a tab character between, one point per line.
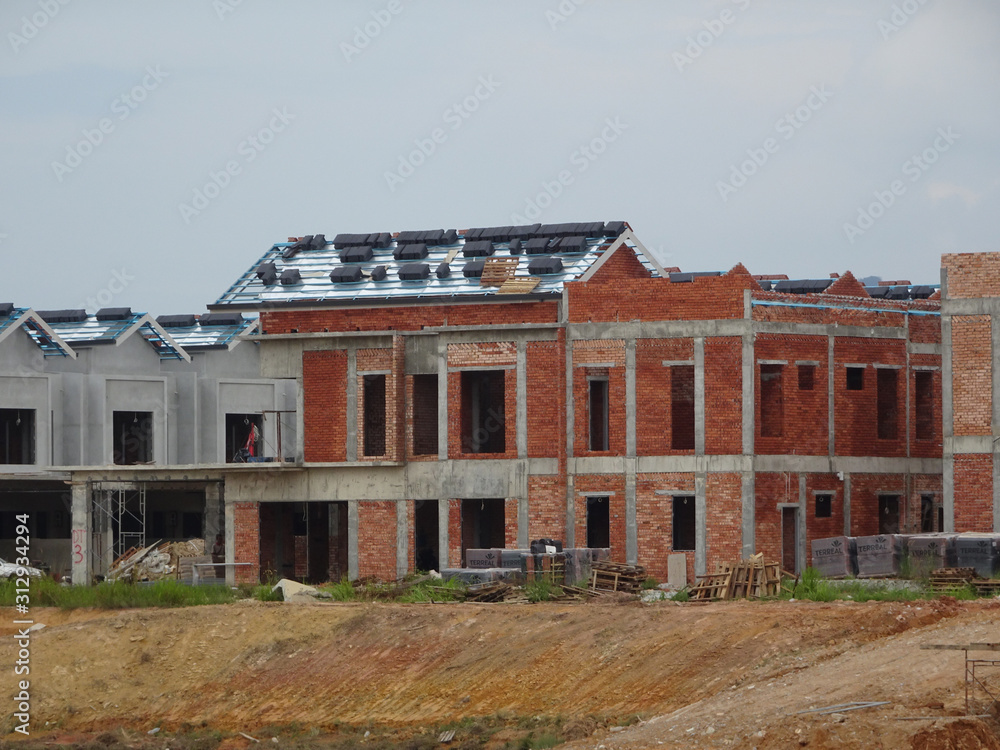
979	551
511	558
466	575
926	553
833	557
879	555
480	559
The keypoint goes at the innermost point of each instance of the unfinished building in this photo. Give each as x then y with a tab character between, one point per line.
481	388
117	429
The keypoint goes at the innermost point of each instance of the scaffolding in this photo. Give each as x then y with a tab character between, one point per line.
119	523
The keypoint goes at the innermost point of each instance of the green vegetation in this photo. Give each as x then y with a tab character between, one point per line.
433	590
681	596
649	583
45	592
540	590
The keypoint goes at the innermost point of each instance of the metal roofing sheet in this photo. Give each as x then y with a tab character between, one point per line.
315	267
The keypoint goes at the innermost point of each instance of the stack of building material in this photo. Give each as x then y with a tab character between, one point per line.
142	564
613	576
979	551
929	552
947	579
544	566
833	557
879	555
484	575
748	579
482	559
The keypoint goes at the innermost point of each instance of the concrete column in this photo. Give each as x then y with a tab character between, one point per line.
847	504
443	519
994	308
801	558
570	463
442	401
631	526
947	418
80	558
352	404
749	511
700	524
402	538
521	416
300	421
699	396
352	540
749	425
214	513
630	398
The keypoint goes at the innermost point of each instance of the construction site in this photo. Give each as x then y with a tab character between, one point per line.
498	405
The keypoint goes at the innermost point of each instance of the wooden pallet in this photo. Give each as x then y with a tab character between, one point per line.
947	579
518	285
747	579
611	576
496	271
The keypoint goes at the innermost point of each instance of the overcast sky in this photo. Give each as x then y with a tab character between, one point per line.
151	152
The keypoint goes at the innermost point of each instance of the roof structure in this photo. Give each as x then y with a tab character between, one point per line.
63	332
531	260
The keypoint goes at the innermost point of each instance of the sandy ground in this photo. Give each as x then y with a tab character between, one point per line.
718	675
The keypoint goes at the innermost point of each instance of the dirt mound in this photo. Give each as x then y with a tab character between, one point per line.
964	734
713	675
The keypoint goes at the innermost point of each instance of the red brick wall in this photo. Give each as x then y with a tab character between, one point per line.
546	375
408	318
844	312
855	411
974	492
324	386
925	329
804	428
510	523
597	353
623	264
613	486
972	274
724	518
972	374
865	490
705	298
246	528
654	521
770	489
546	507
930	447
822	528
455	417
724	395
653	393
377	539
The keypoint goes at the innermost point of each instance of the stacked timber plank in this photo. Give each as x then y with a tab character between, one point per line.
747	579
611	576
947	579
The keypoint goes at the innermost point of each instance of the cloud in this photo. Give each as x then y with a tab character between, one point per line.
942	191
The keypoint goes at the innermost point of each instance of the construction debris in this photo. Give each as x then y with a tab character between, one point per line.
158	561
947	579
747	579
611	576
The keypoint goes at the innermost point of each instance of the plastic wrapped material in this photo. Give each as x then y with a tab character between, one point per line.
879	555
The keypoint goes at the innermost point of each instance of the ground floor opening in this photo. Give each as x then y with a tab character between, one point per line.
303	541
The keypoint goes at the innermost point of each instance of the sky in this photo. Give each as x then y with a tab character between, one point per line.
150	153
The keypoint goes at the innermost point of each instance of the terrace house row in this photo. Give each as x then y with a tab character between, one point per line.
485	387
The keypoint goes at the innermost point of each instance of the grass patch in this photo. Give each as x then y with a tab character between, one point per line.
118	595
649	583
433	590
681	596
540	590
342	591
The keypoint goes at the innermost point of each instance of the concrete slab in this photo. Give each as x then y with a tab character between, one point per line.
677	570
